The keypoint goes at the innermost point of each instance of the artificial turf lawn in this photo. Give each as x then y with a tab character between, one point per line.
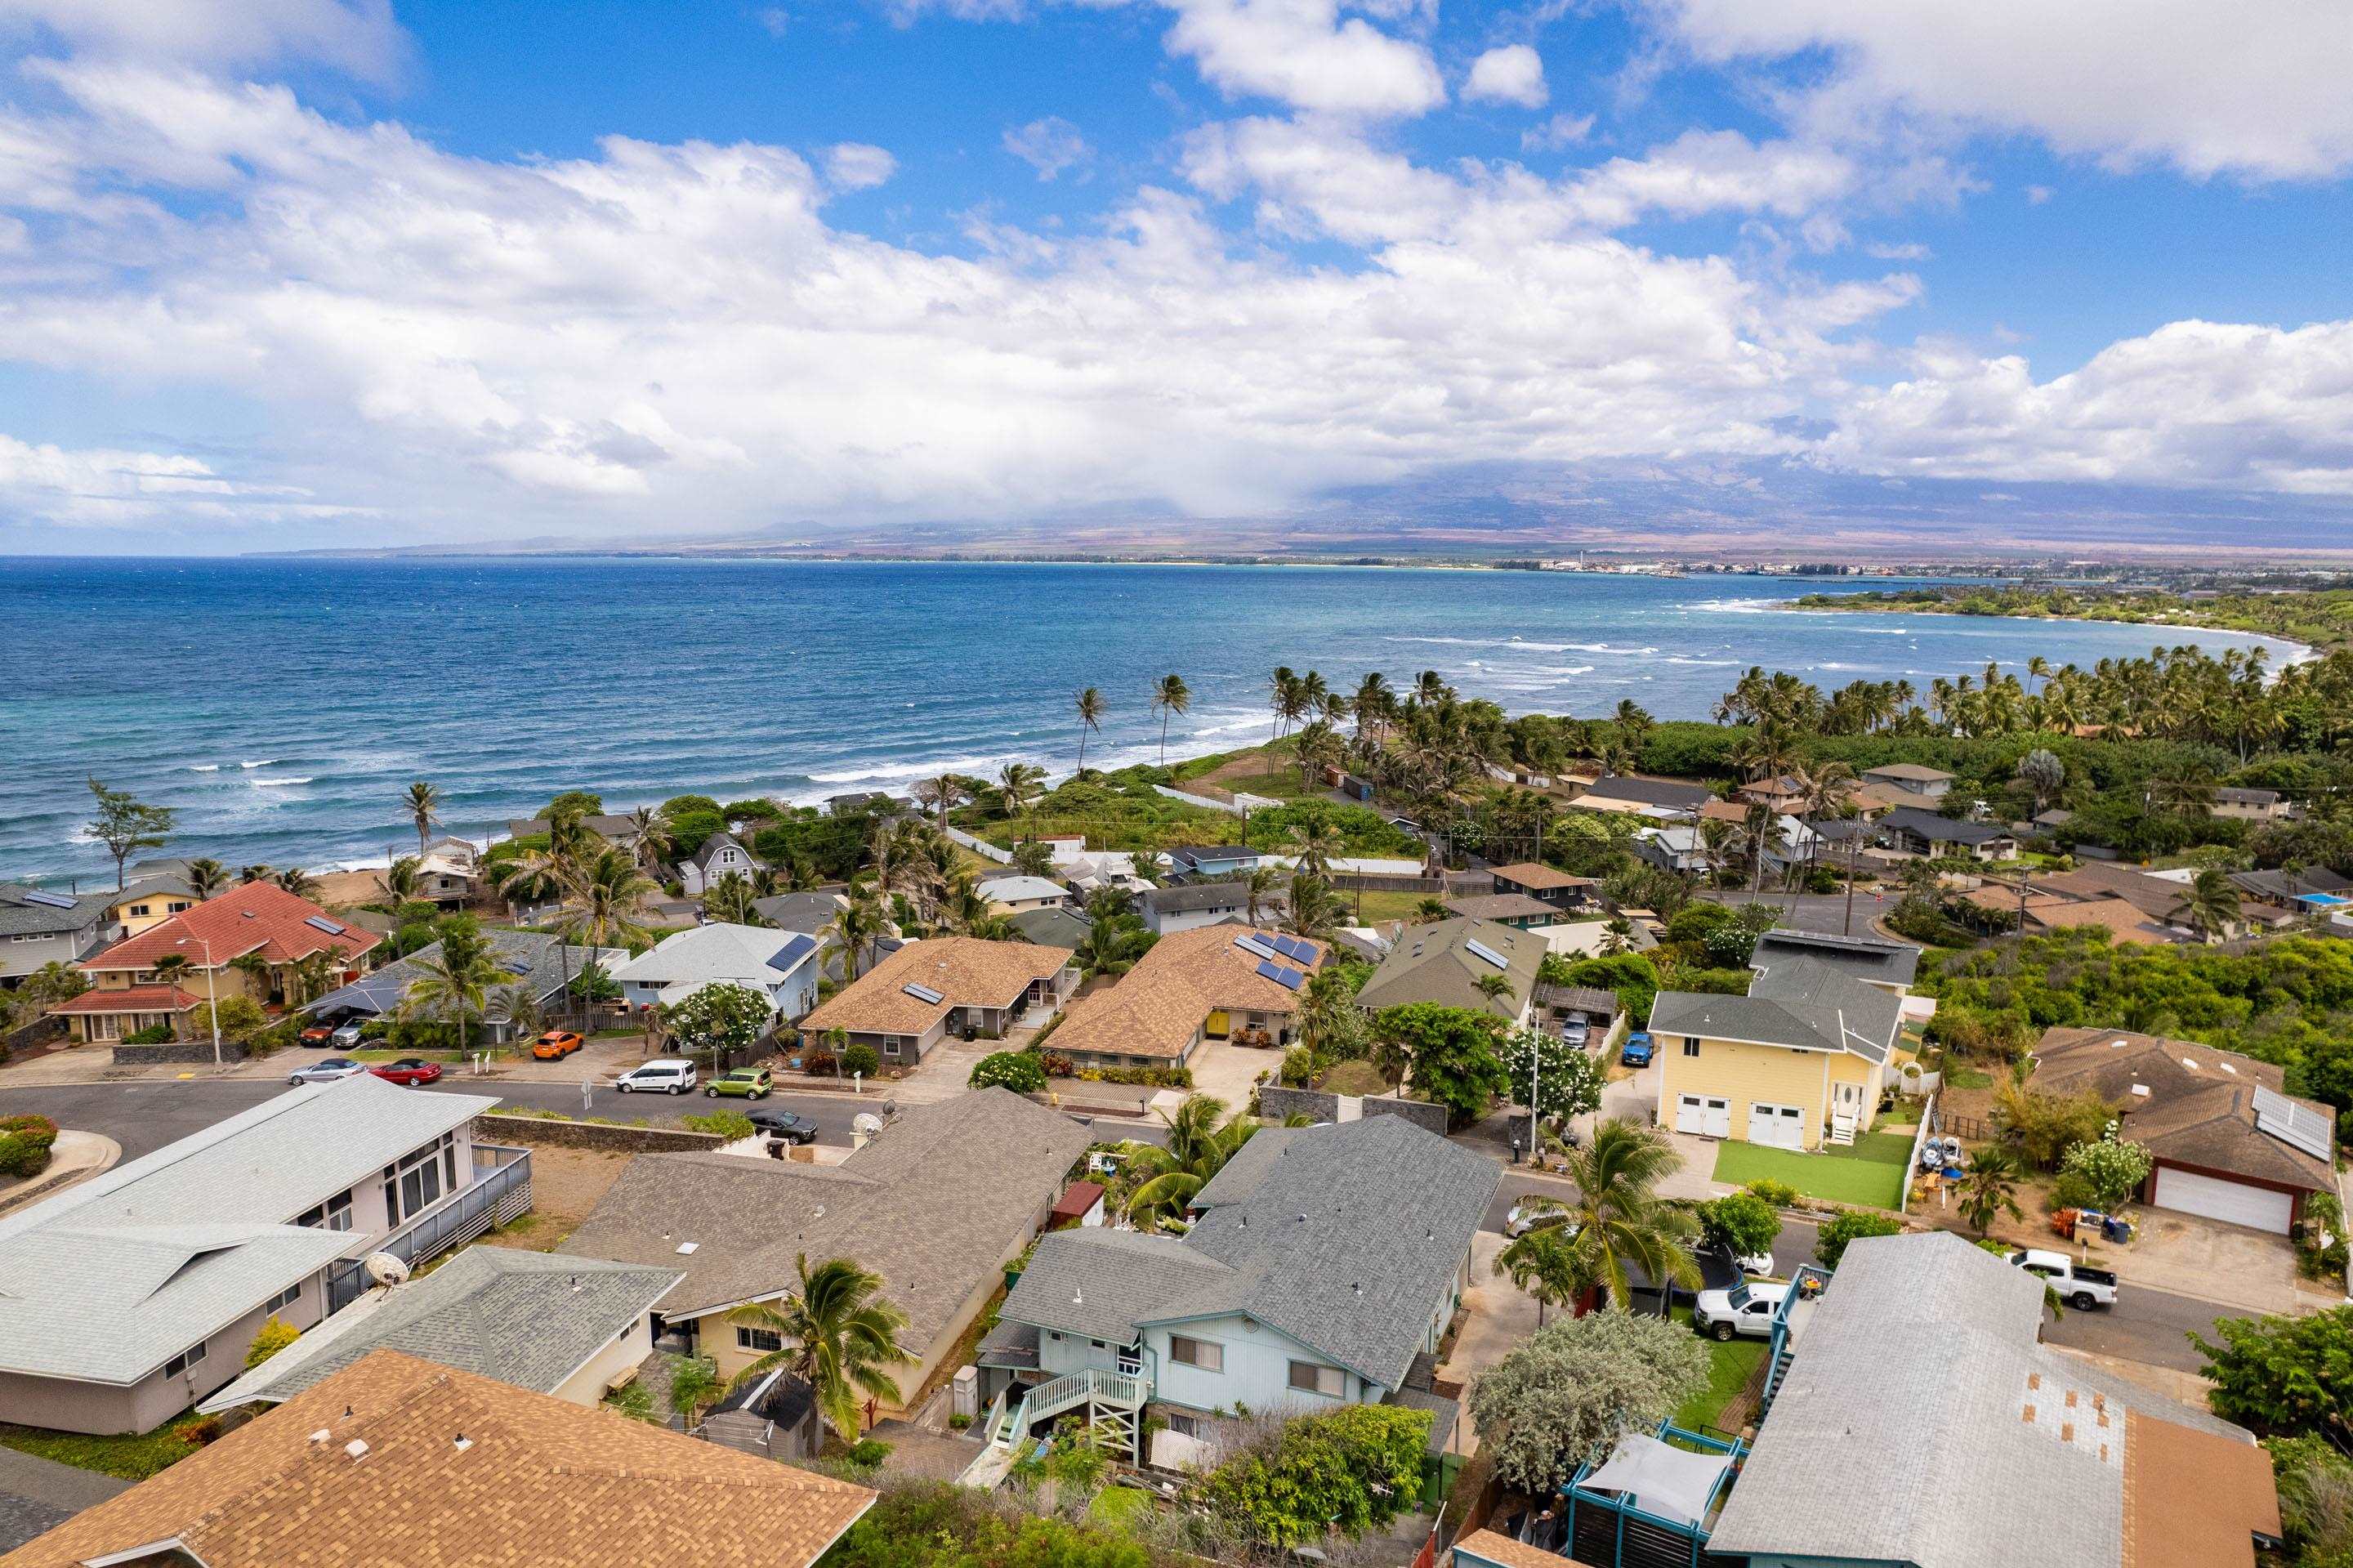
1871	1170
1730	1364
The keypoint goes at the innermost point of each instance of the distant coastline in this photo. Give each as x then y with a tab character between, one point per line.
2285	619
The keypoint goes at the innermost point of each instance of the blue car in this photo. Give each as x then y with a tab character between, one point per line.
1636	1050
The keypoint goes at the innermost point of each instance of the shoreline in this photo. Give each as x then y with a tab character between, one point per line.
2303	652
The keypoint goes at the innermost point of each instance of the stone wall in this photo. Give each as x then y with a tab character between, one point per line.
176	1052
1424	1115
601	1136
1275	1102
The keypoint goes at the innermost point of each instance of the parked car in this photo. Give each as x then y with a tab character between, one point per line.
1757	1264
1717	1271
670	1076
783	1125
1637	1051
409	1070
327	1071
1745	1308
1574	1032
319	1035
1530	1213
750	1083
555	1045
347	1035
2080	1286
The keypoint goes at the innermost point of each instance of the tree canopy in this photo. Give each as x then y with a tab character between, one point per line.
1574	1386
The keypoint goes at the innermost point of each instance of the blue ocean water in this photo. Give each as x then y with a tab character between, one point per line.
281	707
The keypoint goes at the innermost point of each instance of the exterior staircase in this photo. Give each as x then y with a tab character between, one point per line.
1112	1401
1842	1127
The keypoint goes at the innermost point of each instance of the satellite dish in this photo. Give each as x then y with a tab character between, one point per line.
868	1123
386	1269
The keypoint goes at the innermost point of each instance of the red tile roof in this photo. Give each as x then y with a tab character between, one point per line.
254	916
137	998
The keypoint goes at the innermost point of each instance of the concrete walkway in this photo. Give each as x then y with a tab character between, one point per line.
37	1495
75	1157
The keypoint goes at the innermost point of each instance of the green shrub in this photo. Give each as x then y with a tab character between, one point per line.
729	1125
859	1058
274	1335
1021	1071
1780	1194
24	1143
1851	1224
1155	1078
2074	1189
868	1452
154	1034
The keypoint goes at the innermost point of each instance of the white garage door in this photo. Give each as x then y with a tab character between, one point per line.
2233	1202
1705	1115
1778	1126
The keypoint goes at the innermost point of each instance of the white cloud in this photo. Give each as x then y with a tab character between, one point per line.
99	486
2207	86
2037	195
357	36
1512	74
2192	404
1560	131
775	20
1049	145
857	165
1303	53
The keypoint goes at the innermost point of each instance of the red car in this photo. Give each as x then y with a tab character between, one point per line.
409	1070
319	1034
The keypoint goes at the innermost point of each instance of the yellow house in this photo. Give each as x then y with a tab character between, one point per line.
1798	1060
150	901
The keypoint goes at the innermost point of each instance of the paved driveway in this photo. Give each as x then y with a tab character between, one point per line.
1498	1315
1229	1072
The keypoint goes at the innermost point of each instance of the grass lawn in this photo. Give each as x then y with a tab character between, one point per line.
1382	907
134	1459
1730	1366
1355	1077
1118	1506
1871	1170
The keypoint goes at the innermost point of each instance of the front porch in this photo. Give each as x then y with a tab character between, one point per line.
1111	1404
500	1192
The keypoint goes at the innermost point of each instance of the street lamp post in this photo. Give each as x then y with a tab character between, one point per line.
212	990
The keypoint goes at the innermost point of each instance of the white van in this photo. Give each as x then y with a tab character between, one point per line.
671	1075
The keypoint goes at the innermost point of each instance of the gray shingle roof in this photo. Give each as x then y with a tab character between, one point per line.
934	1205
1187	898
1347	1238
532	957
1865	958
24	916
1672	794
1053	927
525	1318
1939	829
1434	963
700	858
143	1250
1925	1346
1800	1001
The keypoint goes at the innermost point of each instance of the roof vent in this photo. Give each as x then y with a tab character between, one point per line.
2119	1044
686	1249
2228	1068
2190	1063
2141	1089
320	1435
357	1447
463	1443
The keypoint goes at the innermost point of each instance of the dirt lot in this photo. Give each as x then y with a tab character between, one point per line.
566	1184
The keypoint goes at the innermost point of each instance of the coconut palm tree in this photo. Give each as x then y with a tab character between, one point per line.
259	872
1315	841
422	804
1018	786
654	838
256	971
314	975
1090	703
1318	745
943	794
400	880
298	882
1495	988
1549	1265
1988	1188
207	879
1312	909
516	1005
455	981
1259	889
1197	1149
602	898
1169	697
2210	903
171	968
840	1334
1618	1212
854	929
729	901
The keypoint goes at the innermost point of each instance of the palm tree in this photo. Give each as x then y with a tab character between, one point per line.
2211	902
1495	988
840	1334
1197	1149
422	804
1091	712
207	879
400	880
314	975
517	1006
256	971
1017	785
1313	908
1619	1215
1617	936
854	929
1318	745
944	794
298	882
1548	1264
1259	890
602	898
1170	698
729	901
654	838
1988	1188
171	968
456	980
259	872
1315	841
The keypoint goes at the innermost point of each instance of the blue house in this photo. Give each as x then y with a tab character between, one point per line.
1201	862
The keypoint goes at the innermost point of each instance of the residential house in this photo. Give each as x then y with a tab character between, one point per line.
1681	850
1661	799
1197	861
2314	890
857	802
780	965
38	926
811	911
2252	805
1799	1059
2230	1142
1012	895
1058	926
1445	961
1190	905
449	871
1911	778
1875	961
620	831
399	1460
255	940
1929	1347
567	1327
1217	982
1544	884
937	1204
541	963
1322	1265
718	857
1516	910
2158	899
166	1265
1782	794
910	1001
1917	830
2042	913
152	891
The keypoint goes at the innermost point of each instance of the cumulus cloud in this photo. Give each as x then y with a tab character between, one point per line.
1049	145
1560	131
1305	54
2209	87
355	36
1513	74
99	486
857	165
2193	404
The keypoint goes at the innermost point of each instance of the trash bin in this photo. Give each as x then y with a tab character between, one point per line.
2118	1230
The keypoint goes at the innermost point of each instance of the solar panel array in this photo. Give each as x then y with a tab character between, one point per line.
320	922
2299	1127
796	946
1482	950
1290	979
51	900
1257	947
925	993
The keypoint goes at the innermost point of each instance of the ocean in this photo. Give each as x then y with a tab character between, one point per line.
281	707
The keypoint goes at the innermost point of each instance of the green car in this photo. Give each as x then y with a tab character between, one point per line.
752	1083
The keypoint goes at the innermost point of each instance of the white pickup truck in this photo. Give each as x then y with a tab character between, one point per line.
2081	1287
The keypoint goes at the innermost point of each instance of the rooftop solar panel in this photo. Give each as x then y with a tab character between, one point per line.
1481	950
796	948
1257	947
52	900
320	922
1290	979
923	994
2299	1127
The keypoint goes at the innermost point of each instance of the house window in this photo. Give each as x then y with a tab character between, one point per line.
762	1339
416	1183
334	1214
138	909
1187	1426
1200	1354
183	1361
1309	1378
1691	1045
286	1297
890	1047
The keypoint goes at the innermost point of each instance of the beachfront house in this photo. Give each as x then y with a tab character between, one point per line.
153	892
256	940
1322	1269
918	996
1218	982
41	927
137	1292
782	966
544	965
718	857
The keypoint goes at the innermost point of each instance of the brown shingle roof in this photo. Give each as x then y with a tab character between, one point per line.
2192	1498
1528	874
1157	1008
965	970
458	1469
2199	1109
2152	896
1500	907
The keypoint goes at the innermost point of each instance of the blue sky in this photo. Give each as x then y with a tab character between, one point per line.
288	272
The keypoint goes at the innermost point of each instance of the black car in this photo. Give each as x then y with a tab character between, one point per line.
1717	1271
781	1124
